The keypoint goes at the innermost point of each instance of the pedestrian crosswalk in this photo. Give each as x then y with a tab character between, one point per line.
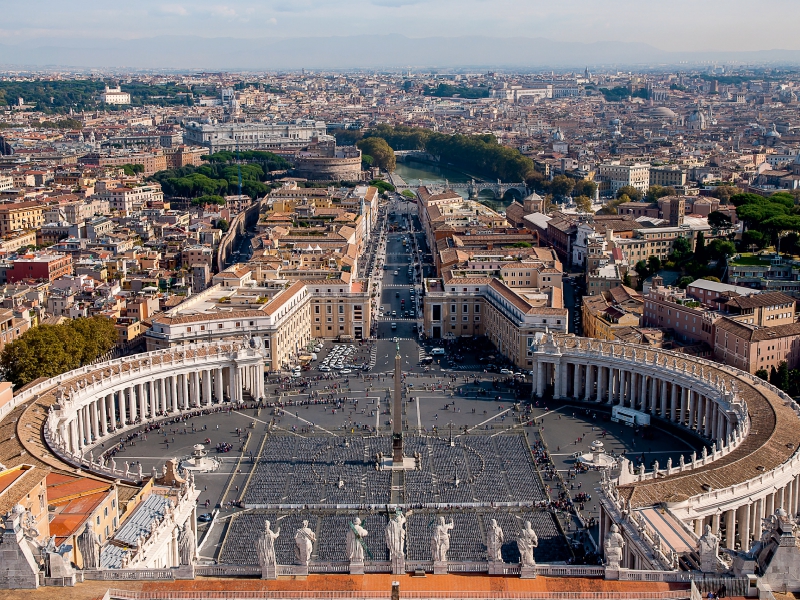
398	320
373	357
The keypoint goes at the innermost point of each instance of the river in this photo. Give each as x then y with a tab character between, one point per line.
415	173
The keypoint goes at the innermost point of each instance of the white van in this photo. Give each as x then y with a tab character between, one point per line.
438	352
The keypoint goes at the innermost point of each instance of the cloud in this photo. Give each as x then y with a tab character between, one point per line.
173	9
272	21
395	3
223	11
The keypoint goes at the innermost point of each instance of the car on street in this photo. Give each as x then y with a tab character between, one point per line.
345	372
394	325
324	368
506	372
205	518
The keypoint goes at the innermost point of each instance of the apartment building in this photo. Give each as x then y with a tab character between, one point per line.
508	317
20	216
41	266
617	175
669	176
753	348
607	314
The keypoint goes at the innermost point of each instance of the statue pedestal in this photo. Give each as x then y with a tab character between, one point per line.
612	573
440	567
269	572
183	572
356	568
399	566
527	572
496	567
301	570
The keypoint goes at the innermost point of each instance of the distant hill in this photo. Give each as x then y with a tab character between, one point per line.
367	51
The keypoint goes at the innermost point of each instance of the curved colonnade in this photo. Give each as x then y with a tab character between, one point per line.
91	405
750	465
749	469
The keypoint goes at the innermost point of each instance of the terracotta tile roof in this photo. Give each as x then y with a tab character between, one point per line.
278	301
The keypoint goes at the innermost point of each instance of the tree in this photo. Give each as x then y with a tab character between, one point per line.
223	225
762	374
780	377
653	265
725	192
408	194
631	192
721	249
203	200
383	186
584	204
681	250
683	282
641	269
584	187
49	350
719	220
700	247
657	191
382	154
561	185
712	278
751	238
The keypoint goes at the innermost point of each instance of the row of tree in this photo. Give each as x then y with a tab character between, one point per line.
221	176
481	155
783	378
49	350
60	96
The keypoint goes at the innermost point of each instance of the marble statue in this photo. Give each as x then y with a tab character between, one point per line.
440	541
396	535
266	546
304	540
187	545
708	549
527	541
494	542
355	541
612	547
89	547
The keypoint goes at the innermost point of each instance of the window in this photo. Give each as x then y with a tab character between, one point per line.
316	310
341	309
219	326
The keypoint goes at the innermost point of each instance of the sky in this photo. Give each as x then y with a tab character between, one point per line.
672	25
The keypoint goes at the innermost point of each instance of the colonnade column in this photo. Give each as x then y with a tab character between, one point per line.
588	384
601	383
93	420
103	416
218	384
663	398
610	383
730	528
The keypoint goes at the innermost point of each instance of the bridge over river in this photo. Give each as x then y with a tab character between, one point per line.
473	188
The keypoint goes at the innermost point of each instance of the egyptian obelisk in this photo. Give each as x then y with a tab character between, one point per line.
397	412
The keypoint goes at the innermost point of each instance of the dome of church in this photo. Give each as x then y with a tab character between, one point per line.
773	132
662	112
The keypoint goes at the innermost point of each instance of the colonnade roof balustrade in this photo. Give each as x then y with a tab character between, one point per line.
774	429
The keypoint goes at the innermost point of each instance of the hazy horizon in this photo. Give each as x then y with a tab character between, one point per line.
67	32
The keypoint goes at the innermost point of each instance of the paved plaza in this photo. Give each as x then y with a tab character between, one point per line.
479	439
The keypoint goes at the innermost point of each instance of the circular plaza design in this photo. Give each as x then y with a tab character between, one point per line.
320	501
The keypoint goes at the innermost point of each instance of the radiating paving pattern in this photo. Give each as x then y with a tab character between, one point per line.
458	482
